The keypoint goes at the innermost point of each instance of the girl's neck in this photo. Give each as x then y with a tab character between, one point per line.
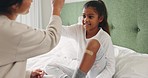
90	34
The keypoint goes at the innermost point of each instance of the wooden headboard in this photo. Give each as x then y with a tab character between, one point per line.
128	21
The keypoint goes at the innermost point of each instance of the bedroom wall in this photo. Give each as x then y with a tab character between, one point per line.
71	1
46	12
72	11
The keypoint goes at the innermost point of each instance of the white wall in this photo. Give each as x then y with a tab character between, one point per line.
46	12
69	1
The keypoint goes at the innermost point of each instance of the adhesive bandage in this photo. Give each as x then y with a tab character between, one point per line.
89	52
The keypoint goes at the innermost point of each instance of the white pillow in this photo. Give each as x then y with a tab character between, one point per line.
130	64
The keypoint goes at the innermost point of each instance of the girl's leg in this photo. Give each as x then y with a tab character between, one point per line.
88	59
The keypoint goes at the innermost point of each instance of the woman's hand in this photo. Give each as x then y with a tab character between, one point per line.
57	6
38	73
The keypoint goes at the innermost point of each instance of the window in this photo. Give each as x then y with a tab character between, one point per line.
33	18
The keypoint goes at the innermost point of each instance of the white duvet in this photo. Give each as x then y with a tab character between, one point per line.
129	64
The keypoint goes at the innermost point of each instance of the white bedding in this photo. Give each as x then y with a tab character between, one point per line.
129	64
64	49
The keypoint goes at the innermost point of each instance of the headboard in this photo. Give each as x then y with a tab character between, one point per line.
128	21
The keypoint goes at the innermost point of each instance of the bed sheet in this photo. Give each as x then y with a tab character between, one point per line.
64	50
129	64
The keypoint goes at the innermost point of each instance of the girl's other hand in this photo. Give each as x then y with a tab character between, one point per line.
38	73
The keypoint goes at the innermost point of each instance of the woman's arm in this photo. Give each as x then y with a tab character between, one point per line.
35	42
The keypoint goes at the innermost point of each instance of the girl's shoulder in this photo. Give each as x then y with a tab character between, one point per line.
103	36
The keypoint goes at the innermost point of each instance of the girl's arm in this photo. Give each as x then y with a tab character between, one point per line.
71	31
88	59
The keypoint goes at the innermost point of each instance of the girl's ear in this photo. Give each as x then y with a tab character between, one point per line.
101	18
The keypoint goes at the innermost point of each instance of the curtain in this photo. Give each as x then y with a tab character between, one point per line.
33	18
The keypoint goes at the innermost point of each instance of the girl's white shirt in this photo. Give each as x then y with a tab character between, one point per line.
104	66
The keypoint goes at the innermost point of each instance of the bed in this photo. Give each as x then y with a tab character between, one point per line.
128	21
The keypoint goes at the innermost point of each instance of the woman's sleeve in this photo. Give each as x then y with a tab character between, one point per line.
33	42
28	73
110	67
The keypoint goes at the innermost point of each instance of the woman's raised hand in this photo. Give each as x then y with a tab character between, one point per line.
57	6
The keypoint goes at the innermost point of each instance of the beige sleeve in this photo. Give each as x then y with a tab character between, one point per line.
28	73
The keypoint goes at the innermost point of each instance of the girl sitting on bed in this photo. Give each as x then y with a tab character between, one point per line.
99	64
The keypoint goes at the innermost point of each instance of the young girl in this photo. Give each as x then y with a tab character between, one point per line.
97	62
94	26
19	42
